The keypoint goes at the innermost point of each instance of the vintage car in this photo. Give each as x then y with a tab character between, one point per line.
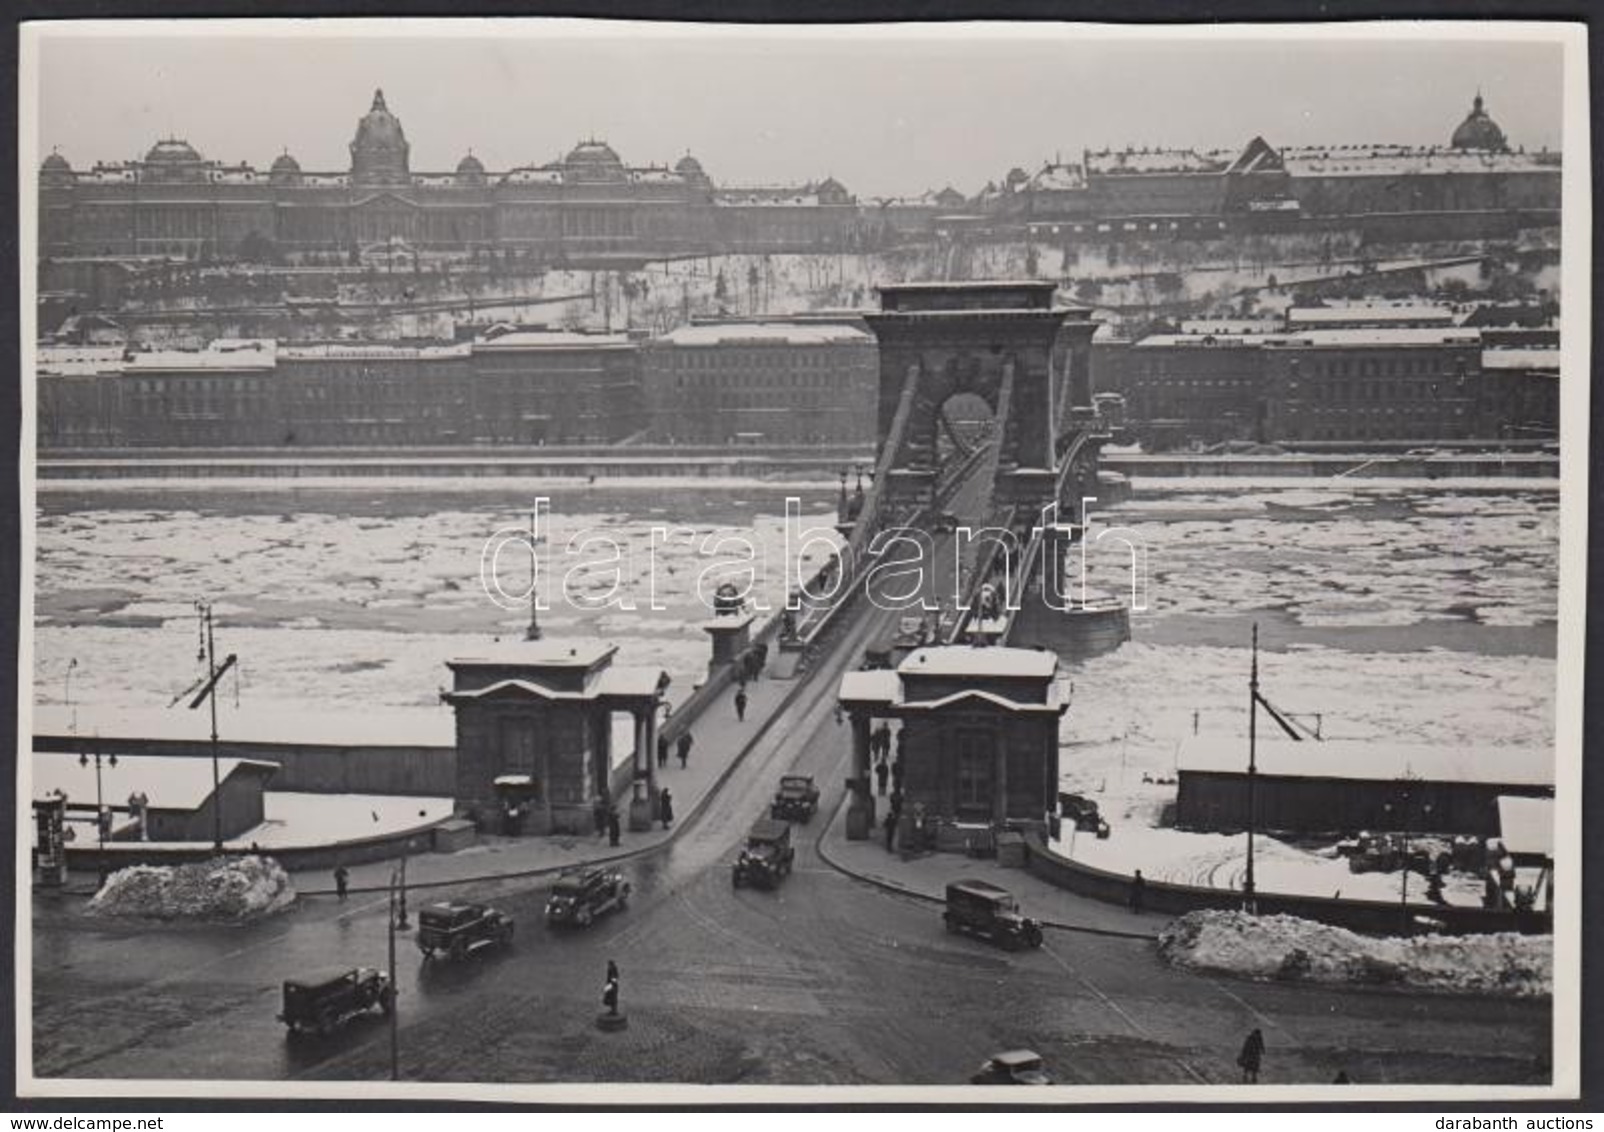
982	909
797	799
767	856
320	1001
1013	1067
457	929
581	895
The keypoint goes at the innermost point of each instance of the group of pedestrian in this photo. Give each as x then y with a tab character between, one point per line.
682	748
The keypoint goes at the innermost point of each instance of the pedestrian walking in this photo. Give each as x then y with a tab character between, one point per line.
598	814
740	704
612	970
662	752
684	748
896	801
840	716
890	824
610	997
882	738
1138	892
881	772
896	772
665	807
612	826
342	879
1251	1057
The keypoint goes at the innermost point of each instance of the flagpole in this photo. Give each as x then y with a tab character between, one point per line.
1249	904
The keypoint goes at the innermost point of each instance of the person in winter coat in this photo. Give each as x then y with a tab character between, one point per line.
342	880
740	703
613	827
662	751
684	748
665	807
1251	1056
881	772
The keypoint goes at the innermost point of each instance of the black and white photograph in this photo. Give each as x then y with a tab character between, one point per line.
597	562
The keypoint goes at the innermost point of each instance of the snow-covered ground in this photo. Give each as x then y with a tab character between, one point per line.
1283	947
232	889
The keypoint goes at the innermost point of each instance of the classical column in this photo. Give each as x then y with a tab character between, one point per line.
860	810
643	799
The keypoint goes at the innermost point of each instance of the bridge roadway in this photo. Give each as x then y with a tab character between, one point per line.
824	981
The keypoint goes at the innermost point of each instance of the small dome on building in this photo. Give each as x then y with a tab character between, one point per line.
689	168
593	161
831	191
284	170
54	170
1479	131
470	170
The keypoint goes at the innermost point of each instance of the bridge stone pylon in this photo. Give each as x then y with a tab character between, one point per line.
999	341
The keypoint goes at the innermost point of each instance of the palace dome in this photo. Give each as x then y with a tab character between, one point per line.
689	168
1479	131
593	161
379	150
471	170
172	151
173	160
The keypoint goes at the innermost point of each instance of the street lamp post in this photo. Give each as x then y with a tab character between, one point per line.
214	673
395	1030
100	804
1248	888
1403	819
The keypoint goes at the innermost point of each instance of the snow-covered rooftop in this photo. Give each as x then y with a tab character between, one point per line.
1059	178
546	653
1370	760
551	340
1373	314
1394	160
1521	358
1117	162
1379	336
958	660
360	350
764	333
1526	825
432	726
63	361
170	782
224	354
1219	326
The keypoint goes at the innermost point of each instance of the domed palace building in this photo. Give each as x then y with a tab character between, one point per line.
587	207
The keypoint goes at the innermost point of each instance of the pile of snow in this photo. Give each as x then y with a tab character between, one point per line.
1285	947
224	888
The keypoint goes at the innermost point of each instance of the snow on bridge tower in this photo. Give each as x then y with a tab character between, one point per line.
995	340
